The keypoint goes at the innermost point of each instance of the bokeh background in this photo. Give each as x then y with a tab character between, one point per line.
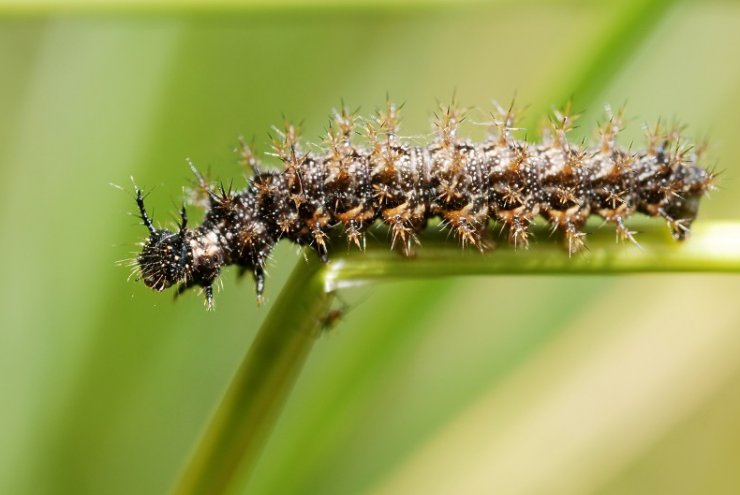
481	385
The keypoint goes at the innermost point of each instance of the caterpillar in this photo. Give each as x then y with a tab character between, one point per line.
385	177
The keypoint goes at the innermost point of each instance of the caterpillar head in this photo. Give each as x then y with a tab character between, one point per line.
166	257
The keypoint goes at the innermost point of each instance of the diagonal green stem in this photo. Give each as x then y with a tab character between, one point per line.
244	419
247	413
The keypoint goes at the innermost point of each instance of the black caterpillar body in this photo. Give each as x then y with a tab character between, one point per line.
465	184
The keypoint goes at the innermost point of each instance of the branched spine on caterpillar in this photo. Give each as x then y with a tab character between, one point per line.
465	184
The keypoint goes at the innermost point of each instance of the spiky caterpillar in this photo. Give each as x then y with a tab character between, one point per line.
463	183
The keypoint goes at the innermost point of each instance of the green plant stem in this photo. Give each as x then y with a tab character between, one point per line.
248	412
238	430
713	247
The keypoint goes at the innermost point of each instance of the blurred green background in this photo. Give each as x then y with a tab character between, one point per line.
478	385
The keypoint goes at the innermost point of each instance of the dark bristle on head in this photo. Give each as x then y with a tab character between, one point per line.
356	181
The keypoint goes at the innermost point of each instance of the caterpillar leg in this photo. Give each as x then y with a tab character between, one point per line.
258	274
570	222
355	222
208	292
466	227
680	227
517	223
616	217
403	230
404	236
354	235
319	243
575	239
519	232
259	282
623	233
